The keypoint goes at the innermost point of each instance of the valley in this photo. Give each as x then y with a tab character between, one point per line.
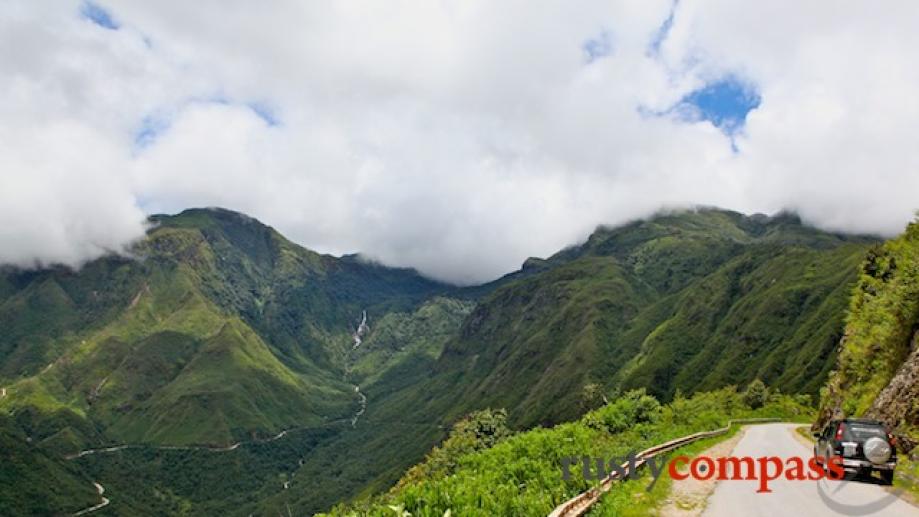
234	372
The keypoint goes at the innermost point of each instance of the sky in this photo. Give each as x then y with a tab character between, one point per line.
458	138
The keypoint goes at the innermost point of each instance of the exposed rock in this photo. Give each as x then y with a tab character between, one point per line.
896	404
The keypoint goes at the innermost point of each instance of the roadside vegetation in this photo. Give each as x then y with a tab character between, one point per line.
883	313
632	498
907	477
226	332
520	474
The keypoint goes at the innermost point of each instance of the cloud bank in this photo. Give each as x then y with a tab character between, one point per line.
455	137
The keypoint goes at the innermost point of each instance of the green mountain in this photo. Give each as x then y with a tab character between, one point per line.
219	329
34	481
483	468
682	302
877	374
688	301
247	374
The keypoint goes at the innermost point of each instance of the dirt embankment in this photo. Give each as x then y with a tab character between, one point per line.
688	496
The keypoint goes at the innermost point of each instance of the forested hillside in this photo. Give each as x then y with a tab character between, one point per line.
217	331
878	369
483	468
222	369
689	301
686	301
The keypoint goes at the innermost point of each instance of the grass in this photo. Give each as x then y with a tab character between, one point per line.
223	329
689	302
520	475
806	433
631	498
883	313
907	477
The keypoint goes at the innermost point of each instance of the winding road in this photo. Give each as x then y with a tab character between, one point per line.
99	490
811	498
226	448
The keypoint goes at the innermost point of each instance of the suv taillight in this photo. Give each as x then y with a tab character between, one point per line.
892	439
839	431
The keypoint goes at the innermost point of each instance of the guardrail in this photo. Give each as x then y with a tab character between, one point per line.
582	502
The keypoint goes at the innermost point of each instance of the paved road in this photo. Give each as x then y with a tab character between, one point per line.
810	498
99	490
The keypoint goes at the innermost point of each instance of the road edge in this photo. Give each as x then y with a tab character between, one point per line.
671	507
807	440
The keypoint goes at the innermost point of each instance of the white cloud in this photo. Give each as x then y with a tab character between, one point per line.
457	137
63	206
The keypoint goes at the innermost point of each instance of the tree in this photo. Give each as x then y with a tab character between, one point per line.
592	396
756	394
632	408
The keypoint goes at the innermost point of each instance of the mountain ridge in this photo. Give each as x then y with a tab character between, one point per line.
221	331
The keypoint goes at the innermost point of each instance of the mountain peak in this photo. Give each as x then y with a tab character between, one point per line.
204	217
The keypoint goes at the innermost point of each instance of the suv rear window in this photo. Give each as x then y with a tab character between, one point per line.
861	432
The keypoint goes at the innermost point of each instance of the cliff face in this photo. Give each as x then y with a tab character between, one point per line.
899	401
877	373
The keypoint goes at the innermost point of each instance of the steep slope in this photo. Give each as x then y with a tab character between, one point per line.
220	334
484	469
878	370
33	482
689	301
217	332
221	329
233	385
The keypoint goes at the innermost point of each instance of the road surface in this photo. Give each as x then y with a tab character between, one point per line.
810	498
99	490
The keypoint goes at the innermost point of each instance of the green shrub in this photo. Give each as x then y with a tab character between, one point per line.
882	319
633	408
592	396
476	431
521	474
756	394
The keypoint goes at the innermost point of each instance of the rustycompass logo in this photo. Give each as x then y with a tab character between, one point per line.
830	495
763	469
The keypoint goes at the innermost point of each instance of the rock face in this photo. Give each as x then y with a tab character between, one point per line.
897	403
877	371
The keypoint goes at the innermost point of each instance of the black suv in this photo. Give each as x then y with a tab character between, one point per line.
864	445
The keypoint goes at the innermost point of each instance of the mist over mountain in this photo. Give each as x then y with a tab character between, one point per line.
220	344
455	138
370	258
